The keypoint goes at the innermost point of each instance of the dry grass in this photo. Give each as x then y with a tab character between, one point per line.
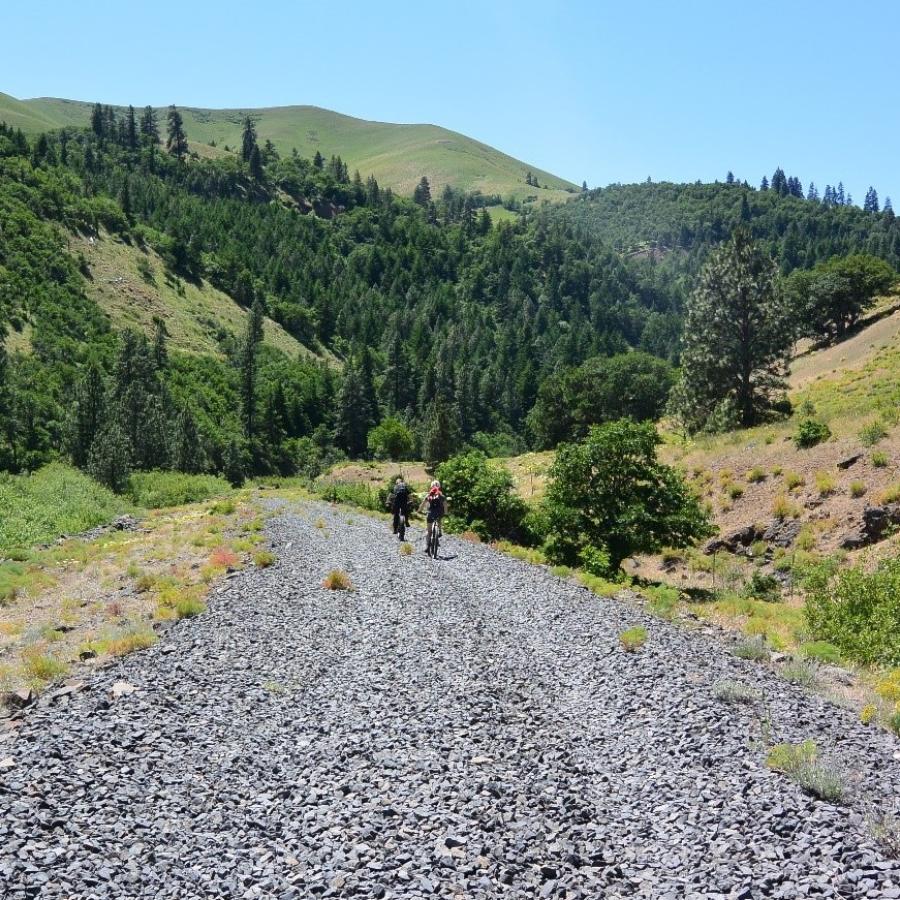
337	580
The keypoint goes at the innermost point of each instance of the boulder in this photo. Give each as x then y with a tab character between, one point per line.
782	532
736	541
876	522
849	461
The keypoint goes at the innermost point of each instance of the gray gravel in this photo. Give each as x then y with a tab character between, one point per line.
466	727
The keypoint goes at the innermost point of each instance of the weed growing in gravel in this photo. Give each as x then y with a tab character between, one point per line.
894	720
561	571
137	638
756	475
264	559
734	491
320	523
801	671
885	828
188	607
879	459
223	558
890	494
793	480
731	691
754	650
406	549
802	764
633	639
337	580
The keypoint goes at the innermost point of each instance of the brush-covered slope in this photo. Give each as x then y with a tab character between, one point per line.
397	155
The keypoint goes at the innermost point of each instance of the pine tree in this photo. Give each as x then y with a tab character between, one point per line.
131	134
764	184
422	193
729	178
233	464
318	161
160	351
584	187
249	354
442	432
98	123
149	127
125	199
870	204
187	449
109	461
737	336
256	166
176	142
745	209
354	416
248	140
812	193
839	198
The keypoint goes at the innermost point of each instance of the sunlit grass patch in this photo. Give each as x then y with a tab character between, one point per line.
337	580
633	639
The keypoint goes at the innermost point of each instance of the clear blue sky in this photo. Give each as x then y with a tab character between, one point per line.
603	91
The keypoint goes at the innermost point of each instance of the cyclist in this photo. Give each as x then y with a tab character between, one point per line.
435	507
398	504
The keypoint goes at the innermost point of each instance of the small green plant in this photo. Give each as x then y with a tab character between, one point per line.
777	471
41	668
763	587
894	721
222	508
793	480
337	580
663	601
802	764
754	650
633	638
890	494
826	483
782	508
857	489
731	691
810	432
872	433
406	549
806	538
187	607
879	459
264	558
734	491
756	475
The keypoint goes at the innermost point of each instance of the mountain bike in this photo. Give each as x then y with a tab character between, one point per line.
434	538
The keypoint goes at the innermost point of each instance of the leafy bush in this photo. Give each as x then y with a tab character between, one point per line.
857	611
155	490
595	561
391	439
801	763
811	432
351	493
872	433
610	491
763	587
55	500
633	639
481	494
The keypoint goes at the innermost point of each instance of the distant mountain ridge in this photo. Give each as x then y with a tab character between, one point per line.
397	155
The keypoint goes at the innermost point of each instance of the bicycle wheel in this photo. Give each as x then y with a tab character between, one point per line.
402	529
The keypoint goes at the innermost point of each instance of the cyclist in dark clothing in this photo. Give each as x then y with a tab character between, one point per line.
398	503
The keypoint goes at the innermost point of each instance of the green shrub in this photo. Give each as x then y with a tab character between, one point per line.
663	600
734	491
611	491
763	587
872	433
810	432
753	650
793	480
756	475
802	764
391	439
879	459
595	561
735	692
156	490
352	493
857	489
801	671
826	483
55	500
264	558
857	611
481	494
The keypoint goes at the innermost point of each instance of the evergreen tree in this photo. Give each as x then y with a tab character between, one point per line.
187	449
88	414
812	193
149	127
318	161
442	432
422	193
109	460
584	187
256	167
176	142
737	336
248	140
764	184
249	358
745	209
98	122
125	199
870	204
354	415
131	133
779	182
7	410
160	351
839	198
729	178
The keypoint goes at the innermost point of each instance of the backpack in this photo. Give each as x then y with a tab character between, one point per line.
401	497
435	504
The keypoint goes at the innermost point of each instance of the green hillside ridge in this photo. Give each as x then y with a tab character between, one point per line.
397	155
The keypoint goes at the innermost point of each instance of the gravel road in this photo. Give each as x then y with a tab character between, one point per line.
466	727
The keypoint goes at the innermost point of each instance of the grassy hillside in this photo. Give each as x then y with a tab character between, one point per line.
397	155
133	287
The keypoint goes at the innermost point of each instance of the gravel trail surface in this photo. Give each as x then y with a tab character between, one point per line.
467	727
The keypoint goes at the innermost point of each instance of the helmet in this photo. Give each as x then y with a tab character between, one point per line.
436	484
